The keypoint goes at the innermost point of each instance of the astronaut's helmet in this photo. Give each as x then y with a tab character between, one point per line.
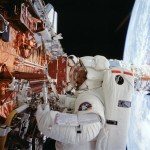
100	63
72	60
97	62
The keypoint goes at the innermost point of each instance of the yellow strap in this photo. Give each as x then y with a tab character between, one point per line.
7	123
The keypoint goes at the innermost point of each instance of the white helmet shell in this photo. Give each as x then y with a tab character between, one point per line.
98	62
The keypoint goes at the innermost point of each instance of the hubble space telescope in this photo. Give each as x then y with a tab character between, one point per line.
80	102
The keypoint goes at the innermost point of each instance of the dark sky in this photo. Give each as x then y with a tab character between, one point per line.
89	26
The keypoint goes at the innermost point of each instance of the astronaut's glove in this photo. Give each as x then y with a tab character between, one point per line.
41	117
62	99
67	101
45	118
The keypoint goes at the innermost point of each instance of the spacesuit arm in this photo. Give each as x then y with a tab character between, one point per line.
75	134
72	133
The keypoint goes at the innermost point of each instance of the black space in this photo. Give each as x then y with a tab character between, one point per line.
89	26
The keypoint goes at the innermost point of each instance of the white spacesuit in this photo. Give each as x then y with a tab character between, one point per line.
101	110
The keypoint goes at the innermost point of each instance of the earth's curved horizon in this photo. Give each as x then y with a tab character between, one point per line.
137	51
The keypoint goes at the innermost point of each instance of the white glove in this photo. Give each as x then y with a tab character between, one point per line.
45	118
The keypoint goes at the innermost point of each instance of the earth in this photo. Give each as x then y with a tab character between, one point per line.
137	52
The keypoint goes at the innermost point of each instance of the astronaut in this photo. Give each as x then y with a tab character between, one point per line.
93	122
